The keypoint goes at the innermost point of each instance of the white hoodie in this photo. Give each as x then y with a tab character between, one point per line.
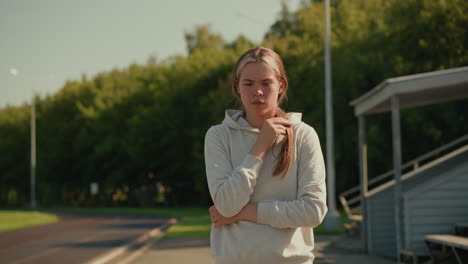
288	207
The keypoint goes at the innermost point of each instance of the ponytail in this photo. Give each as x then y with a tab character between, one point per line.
285	156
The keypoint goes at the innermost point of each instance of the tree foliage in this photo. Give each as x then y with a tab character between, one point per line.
139	131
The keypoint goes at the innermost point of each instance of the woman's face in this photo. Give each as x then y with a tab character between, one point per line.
259	89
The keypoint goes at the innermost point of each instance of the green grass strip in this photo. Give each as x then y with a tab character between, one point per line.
13	220
322	231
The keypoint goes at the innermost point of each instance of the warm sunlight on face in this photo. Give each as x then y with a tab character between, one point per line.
259	89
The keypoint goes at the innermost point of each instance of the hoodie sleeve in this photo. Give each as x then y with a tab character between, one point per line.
230	188
310	207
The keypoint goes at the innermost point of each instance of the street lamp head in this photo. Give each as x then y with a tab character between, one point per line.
14	72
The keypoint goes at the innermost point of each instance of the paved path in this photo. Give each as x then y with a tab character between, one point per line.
76	239
325	252
180	251
80	238
197	251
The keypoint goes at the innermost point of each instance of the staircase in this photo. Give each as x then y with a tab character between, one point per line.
351	199
422	201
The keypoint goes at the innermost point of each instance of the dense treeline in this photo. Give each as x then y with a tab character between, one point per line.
139	131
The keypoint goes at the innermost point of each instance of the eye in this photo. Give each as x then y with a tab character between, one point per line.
247	84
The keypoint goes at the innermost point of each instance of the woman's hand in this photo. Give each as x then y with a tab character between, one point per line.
271	129
218	220
248	213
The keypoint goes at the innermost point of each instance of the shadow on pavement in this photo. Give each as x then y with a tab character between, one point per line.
326	251
144	225
178	243
97	244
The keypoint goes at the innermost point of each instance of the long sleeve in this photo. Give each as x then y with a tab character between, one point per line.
230	188
310	207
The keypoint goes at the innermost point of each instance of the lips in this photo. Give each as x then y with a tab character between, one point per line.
258	102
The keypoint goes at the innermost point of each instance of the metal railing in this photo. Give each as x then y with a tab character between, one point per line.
351	199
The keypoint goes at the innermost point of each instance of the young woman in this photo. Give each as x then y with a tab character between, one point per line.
265	171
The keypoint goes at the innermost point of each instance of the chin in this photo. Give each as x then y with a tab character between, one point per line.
264	111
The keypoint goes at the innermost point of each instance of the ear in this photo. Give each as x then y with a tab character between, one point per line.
282	86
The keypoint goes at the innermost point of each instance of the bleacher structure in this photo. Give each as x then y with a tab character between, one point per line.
399	210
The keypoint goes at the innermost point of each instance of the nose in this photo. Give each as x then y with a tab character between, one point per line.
258	92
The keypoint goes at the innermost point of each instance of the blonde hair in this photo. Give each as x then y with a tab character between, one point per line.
273	60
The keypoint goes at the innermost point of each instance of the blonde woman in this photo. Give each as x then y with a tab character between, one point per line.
265	171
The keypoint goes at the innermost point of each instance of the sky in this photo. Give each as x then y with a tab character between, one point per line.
44	43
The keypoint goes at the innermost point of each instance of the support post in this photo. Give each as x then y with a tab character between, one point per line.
332	219
397	170
33	153
363	178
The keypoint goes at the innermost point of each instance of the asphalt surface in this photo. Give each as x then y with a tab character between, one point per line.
78	238
85	238
197	251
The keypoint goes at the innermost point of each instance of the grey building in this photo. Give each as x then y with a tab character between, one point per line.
427	195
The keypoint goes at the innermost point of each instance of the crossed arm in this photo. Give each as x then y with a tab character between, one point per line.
247	213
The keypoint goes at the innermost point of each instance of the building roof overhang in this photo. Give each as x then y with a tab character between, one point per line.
414	90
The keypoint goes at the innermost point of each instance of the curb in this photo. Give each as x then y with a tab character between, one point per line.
114	253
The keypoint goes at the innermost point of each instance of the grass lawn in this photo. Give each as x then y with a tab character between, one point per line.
344	220
12	220
194	222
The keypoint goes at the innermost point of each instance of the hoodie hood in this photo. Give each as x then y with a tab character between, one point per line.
235	119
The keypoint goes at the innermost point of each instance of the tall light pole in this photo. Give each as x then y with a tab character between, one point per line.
15	73
332	217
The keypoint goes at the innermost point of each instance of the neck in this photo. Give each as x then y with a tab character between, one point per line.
257	119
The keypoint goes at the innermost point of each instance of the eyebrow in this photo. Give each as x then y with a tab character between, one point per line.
248	80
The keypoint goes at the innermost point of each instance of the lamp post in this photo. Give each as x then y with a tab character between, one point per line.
16	73
332	217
